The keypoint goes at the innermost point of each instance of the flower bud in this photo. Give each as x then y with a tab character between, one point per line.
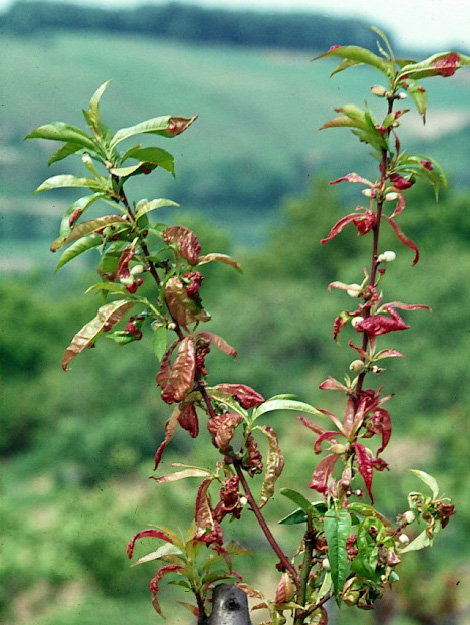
379	91
337	448
326	565
404	540
243	501
387	257
390	197
401	95
356	321
368	192
354	290
409	516
171	326
137	269
357	366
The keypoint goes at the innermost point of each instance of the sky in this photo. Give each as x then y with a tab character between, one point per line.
434	24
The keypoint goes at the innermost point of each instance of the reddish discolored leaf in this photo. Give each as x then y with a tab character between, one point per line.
208	530
170	428
164	372
330	384
399	182
219	342
183	309
182	372
245	395
107	317
285	589
364	222
446	65
187	241
353	177
376	325
188	419
274	465
329	436
403	239
87	227
253	460
150	533
123	270
170	568
222	427
177	125
311	426
221	258
321	475
400	205
366	465
379	423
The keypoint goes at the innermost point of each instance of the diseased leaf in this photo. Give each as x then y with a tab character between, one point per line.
187	241
83	245
428	480
219	342
246	396
75	211
322	472
170	428
203	513
171	568
338	528
165	126
87	227
182	372
274	464
183	308
108	315
181	475
156	156
222	427
149	533
420	542
440	64
221	258
285	589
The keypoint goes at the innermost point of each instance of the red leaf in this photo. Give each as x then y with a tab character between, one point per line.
366	465
182	373
208	530
177	125
245	395
404	306
187	418
222	427
127	255
170	428
253	460
376	325
339	323
403	239
399	182
353	177
339	226
182	307
323	470
219	343
165	367
311	426
330	436
186	239
446	65
400	205
330	384
285	589
170	568
359	350
151	533
380	423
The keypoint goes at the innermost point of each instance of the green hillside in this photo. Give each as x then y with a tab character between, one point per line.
256	139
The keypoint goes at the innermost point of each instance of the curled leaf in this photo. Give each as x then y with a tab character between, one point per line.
182	307
322	472
149	533
366	464
245	395
182	373
181	475
188	419
170	428
222	427
285	589
221	258
87	227
108	316
274	464
170	568
219	342
187	241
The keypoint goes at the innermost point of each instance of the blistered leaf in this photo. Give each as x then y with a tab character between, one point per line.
203	513
322	472
338	528
87	227
108	315
221	428
428	480
182	372
187	241
249	590
366	464
219	342
76	210
188	419
171	568
165	126
183	308
123	270
221	258
147	207
285	589
170	428
83	245
441	64
274	465
58	131
245	395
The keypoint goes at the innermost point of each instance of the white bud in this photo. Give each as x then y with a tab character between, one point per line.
368	192
403	539
379	91
409	516
390	197
326	564
354	290
376	369
243	500
337	448
401	95
126	280
171	326
357	366
137	269
356	321
387	257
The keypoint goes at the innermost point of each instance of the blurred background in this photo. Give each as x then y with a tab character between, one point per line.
252	181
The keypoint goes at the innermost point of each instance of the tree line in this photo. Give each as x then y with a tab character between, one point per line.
295	31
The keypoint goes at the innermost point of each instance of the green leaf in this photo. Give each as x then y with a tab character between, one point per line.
58	131
123	172
165	550
297	498
284	404
344	64
145	207
365	563
94	114
165	126
420	542
111	287
359	55
384	38
59	182
83	245
109	315
159	341
440	64
65	150
87	227
299	516
428	480
342	122
338	528
159	157
419	96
